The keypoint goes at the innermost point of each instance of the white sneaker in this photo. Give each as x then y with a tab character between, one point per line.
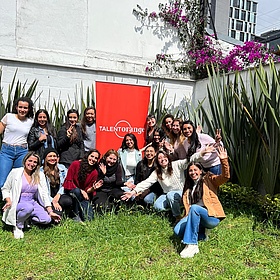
189	251
18	233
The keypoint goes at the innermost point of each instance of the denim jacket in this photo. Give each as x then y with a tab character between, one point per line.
123	158
62	175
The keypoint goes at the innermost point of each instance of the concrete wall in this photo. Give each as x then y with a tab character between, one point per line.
63	43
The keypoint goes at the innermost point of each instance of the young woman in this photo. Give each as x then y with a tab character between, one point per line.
88	128
144	169
158	139
70	139
26	195
110	171
171	178
129	155
195	142
42	134
151	125
167	125
55	174
81	183
15	126
203	209
175	147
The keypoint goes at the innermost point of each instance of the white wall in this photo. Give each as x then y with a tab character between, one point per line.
64	43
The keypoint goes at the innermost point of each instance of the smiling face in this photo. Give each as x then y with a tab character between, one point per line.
151	122
156	137
111	159
90	116
150	153
42	119
22	109
176	127
168	123
187	130
194	172
30	164
93	158
162	160
51	158
129	142
73	118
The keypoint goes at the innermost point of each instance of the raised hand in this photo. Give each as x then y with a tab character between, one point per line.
102	167
222	152
218	136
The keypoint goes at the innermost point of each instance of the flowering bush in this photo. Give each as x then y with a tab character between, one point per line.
186	19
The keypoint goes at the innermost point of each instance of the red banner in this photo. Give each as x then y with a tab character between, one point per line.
120	109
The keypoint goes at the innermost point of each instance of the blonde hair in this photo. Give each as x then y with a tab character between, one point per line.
35	175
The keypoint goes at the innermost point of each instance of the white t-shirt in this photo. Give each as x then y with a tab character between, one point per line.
16	131
130	163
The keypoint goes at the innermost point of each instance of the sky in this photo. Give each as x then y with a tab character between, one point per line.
268	16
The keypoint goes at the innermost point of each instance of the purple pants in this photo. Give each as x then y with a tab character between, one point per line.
32	209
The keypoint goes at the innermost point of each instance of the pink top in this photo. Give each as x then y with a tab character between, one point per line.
210	159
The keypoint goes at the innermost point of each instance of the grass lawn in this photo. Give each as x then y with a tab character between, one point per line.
139	245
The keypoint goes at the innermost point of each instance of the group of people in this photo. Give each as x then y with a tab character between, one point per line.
44	174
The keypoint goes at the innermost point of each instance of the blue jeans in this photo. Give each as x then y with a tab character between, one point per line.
10	157
81	207
150	198
217	169
172	199
192	228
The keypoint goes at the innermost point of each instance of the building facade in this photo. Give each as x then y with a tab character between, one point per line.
234	18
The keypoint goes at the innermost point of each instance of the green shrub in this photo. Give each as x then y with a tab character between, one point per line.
244	199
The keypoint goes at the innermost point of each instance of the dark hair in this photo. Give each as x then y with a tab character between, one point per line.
49	126
173	137
189	183
161	136
74	135
30	113
151	116
134	139
84	122
85	168
144	158
163	124
159	168
194	141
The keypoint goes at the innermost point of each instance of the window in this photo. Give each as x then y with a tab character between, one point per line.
245	26
236	13
233	34
247	36
248	16
243	15
236	3
242	4
248	6
255	7
232	24
241	36
230	12
239	25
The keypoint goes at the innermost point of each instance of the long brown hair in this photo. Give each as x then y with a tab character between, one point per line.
189	183
74	135
85	168
159	168
52	175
